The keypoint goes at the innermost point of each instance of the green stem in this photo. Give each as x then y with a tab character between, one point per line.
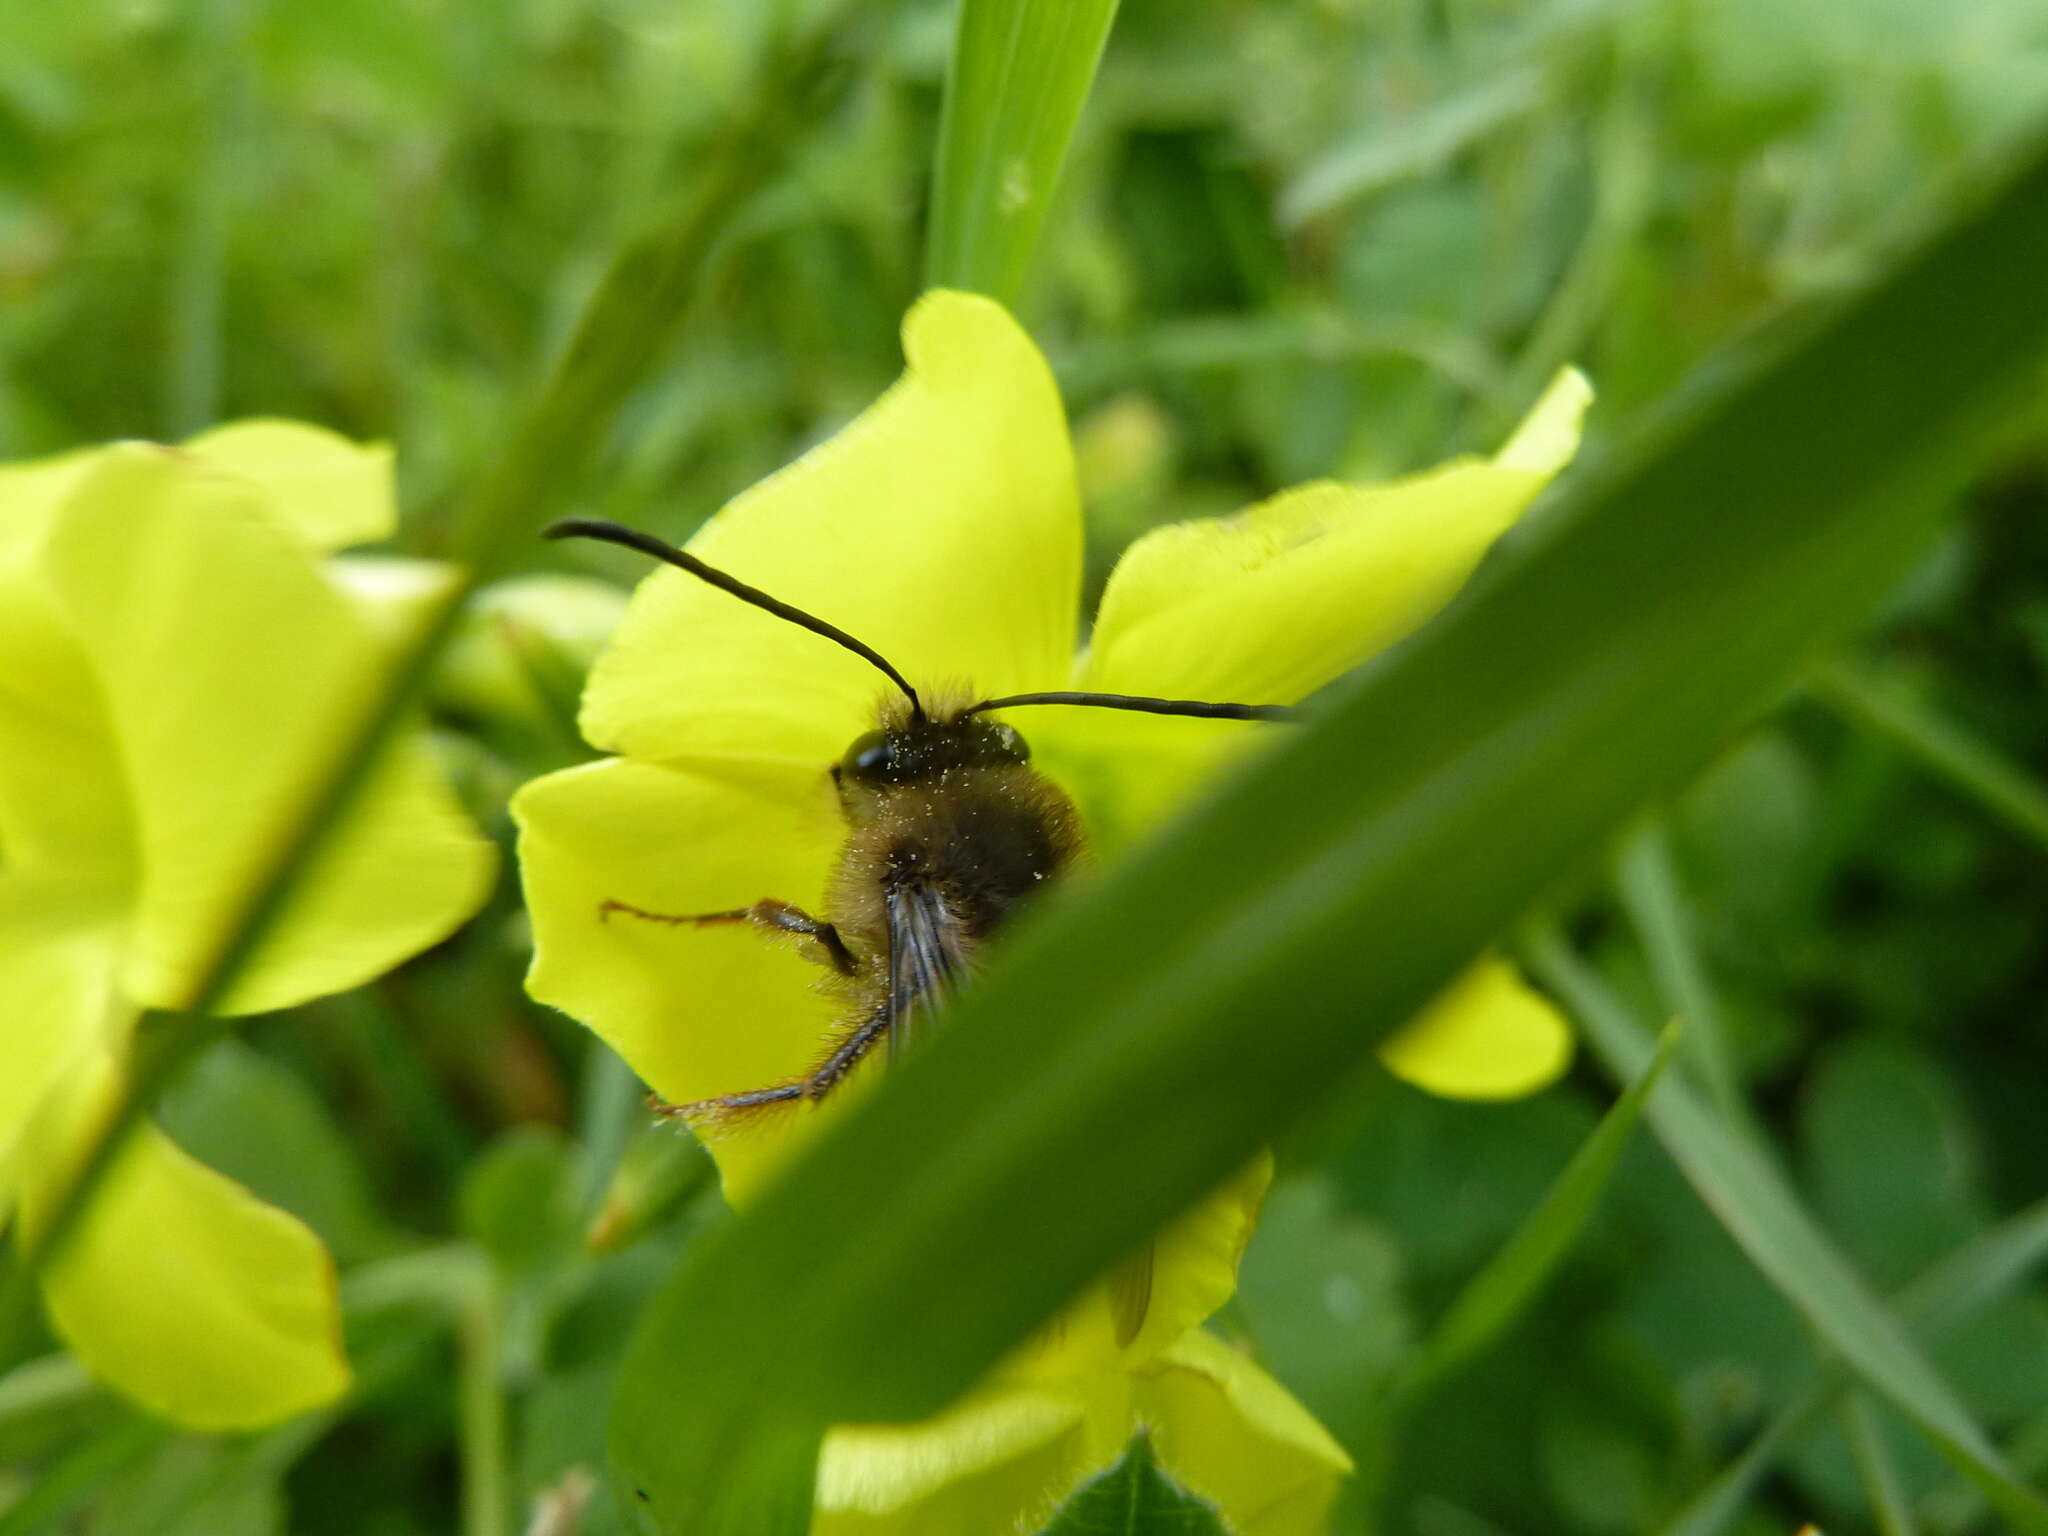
480	1409
1647	877
1980	771
199	258
1874	1462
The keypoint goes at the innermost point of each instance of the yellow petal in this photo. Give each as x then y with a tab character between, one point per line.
59	961
698	1011
63	797
1229	1433
1266	606
230	668
333	491
941	527
181	1289
391	594
1154	1296
1488	1036
1549	435
1000	1461
1129	772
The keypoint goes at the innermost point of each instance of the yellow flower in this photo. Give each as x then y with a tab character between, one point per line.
942	528
177	661
1006	1457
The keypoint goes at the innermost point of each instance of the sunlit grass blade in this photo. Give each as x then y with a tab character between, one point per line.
1764	1216
1021	70
1980	771
1497	1295
1136	1041
635	308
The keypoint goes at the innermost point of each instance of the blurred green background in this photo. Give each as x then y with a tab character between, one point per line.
1297	238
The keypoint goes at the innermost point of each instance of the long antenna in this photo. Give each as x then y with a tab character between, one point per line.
1144	705
648	544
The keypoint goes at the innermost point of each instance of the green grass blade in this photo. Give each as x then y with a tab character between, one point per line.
1888	1505
1646	876
1021	70
1496	1296
1137	1040
1981	772
1948	1293
1764	1216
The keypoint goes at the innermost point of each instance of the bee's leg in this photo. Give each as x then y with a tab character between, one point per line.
777	916
844	1056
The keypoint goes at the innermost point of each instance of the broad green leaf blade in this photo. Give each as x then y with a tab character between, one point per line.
1495	1297
1134	1498
1136	1041
1020	71
1763	1215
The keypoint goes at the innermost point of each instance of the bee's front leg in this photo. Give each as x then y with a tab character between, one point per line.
846	1053
768	913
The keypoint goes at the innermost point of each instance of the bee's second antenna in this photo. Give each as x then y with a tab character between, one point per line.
661	549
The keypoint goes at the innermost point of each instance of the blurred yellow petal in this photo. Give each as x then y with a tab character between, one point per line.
59	961
333	491
1155	1295
1549	435
941	527
1001	1461
697	1011
230	668
391	594
180	1289
1268	605
63	796
1227	1432
1490	1035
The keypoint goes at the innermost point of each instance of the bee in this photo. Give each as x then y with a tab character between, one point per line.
949	832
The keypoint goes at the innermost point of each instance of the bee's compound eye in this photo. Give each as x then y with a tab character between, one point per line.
1011	743
870	757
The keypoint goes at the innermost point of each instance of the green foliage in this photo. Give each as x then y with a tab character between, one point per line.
1134	991
1500	1292
1292	239
1763	1216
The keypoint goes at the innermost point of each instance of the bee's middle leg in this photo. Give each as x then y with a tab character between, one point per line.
775	916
